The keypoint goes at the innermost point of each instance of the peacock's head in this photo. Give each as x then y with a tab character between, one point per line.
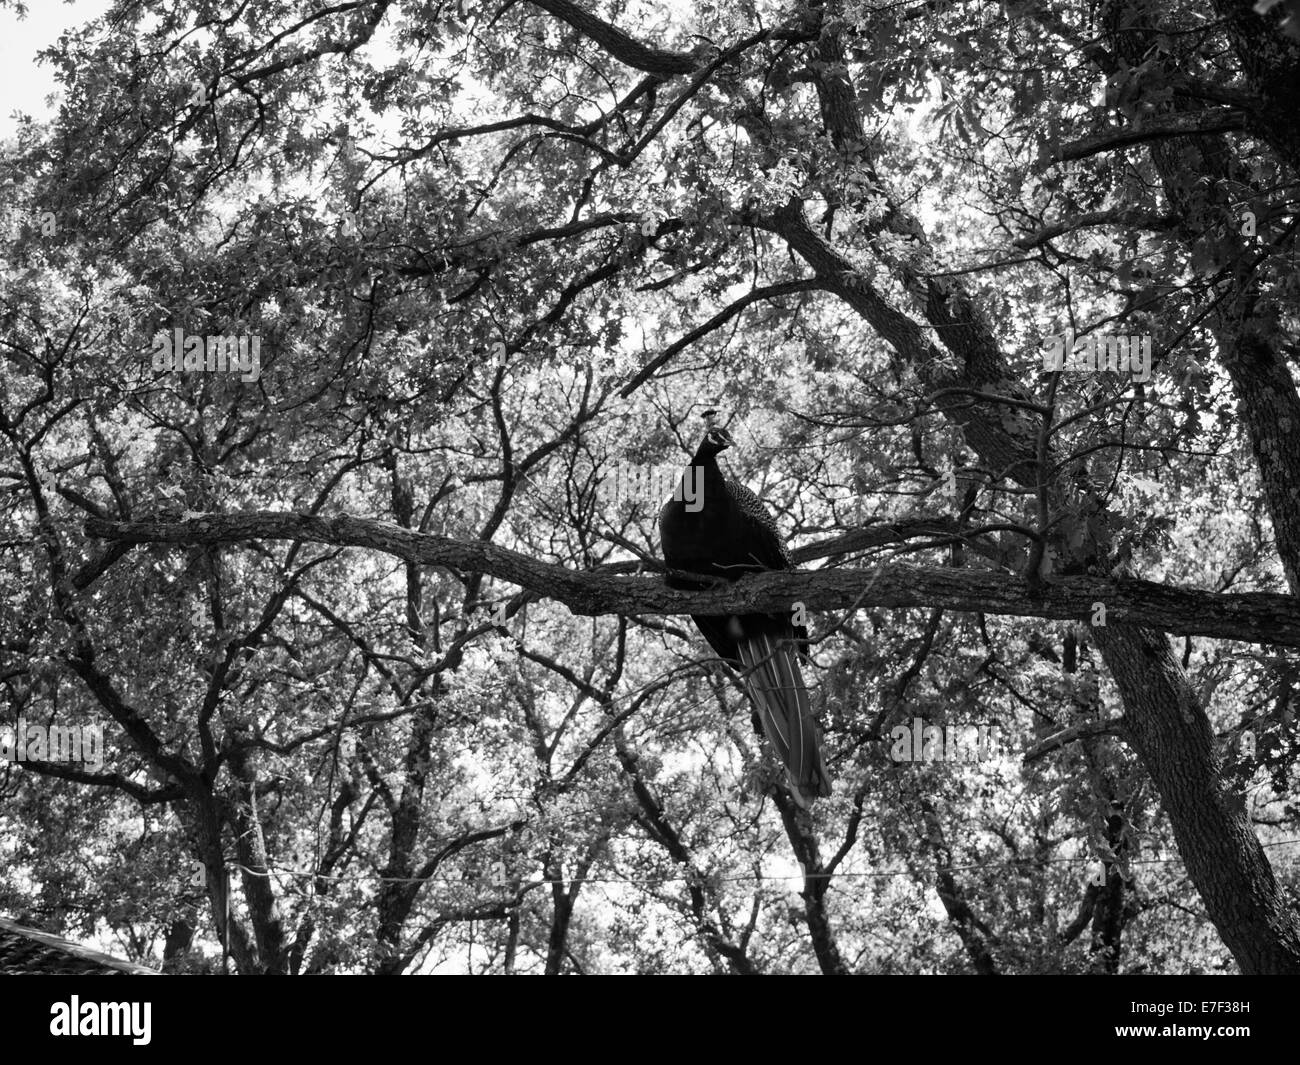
717	441
716	438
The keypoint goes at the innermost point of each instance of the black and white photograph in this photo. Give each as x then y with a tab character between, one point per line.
651	487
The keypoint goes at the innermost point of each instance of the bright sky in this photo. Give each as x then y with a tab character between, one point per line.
24	85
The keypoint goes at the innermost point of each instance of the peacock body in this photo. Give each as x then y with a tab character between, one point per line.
731	534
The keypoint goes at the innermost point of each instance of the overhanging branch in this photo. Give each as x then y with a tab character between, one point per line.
620	45
1173	124
1258	617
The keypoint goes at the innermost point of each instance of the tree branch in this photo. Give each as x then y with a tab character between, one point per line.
1125	216
1173	124
720	319
139	792
1107	727
617	43
1254	617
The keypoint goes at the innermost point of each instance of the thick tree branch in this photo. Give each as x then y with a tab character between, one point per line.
617	43
1257	617
1173	124
1126	216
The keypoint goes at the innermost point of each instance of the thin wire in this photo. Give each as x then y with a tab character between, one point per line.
738	878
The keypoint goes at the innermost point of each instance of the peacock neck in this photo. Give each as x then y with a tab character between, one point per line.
708	478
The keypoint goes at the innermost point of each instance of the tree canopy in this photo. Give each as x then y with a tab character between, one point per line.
390	681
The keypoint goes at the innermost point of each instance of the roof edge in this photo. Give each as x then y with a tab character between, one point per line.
77	950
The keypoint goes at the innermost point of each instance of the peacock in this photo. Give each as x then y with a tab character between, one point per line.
726	531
